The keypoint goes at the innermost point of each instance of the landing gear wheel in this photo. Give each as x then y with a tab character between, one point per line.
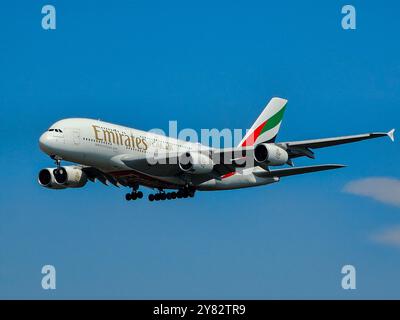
157	196
173	195
135	194
151	197
179	194
163	196
57	160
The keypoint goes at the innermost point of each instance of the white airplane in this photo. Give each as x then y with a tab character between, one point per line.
132	158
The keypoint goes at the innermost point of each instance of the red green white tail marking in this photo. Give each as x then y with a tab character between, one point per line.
266	127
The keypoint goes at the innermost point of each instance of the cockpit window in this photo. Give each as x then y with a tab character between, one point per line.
51	129
56	130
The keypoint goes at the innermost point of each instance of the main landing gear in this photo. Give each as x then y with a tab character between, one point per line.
161	195
185	192
135	194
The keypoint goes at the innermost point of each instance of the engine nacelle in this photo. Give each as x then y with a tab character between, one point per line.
196	163
270	154
65	177
70	176
46	179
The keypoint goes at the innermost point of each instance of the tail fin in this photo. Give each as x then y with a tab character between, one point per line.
267	125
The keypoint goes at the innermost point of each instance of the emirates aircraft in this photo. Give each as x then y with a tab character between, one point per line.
122	156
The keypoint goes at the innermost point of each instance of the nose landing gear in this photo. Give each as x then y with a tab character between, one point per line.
59	172
57	161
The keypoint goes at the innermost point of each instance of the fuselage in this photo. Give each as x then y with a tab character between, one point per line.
123	156
101	145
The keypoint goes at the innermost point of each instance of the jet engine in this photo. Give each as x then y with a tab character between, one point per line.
196	163
270	154
64	177
46	179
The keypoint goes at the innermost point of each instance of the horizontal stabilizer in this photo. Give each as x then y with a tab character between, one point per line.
294	171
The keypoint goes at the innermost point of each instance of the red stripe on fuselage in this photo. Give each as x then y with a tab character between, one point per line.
230	174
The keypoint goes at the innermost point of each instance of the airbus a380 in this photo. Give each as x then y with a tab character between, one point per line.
122	156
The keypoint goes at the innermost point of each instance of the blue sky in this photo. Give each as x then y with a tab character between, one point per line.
205	65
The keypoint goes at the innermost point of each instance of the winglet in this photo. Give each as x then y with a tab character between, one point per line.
390	134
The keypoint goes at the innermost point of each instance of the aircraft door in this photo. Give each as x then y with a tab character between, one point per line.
76	136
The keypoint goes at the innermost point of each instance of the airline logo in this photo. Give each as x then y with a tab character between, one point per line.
121	138
267	130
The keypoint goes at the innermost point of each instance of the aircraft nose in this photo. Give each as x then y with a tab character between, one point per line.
44	141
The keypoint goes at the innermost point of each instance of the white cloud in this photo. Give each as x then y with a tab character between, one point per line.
390	236
383	189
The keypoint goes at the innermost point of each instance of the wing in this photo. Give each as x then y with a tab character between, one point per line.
94	174
165	165
231	158
302	148
295	171
126	178
227	160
